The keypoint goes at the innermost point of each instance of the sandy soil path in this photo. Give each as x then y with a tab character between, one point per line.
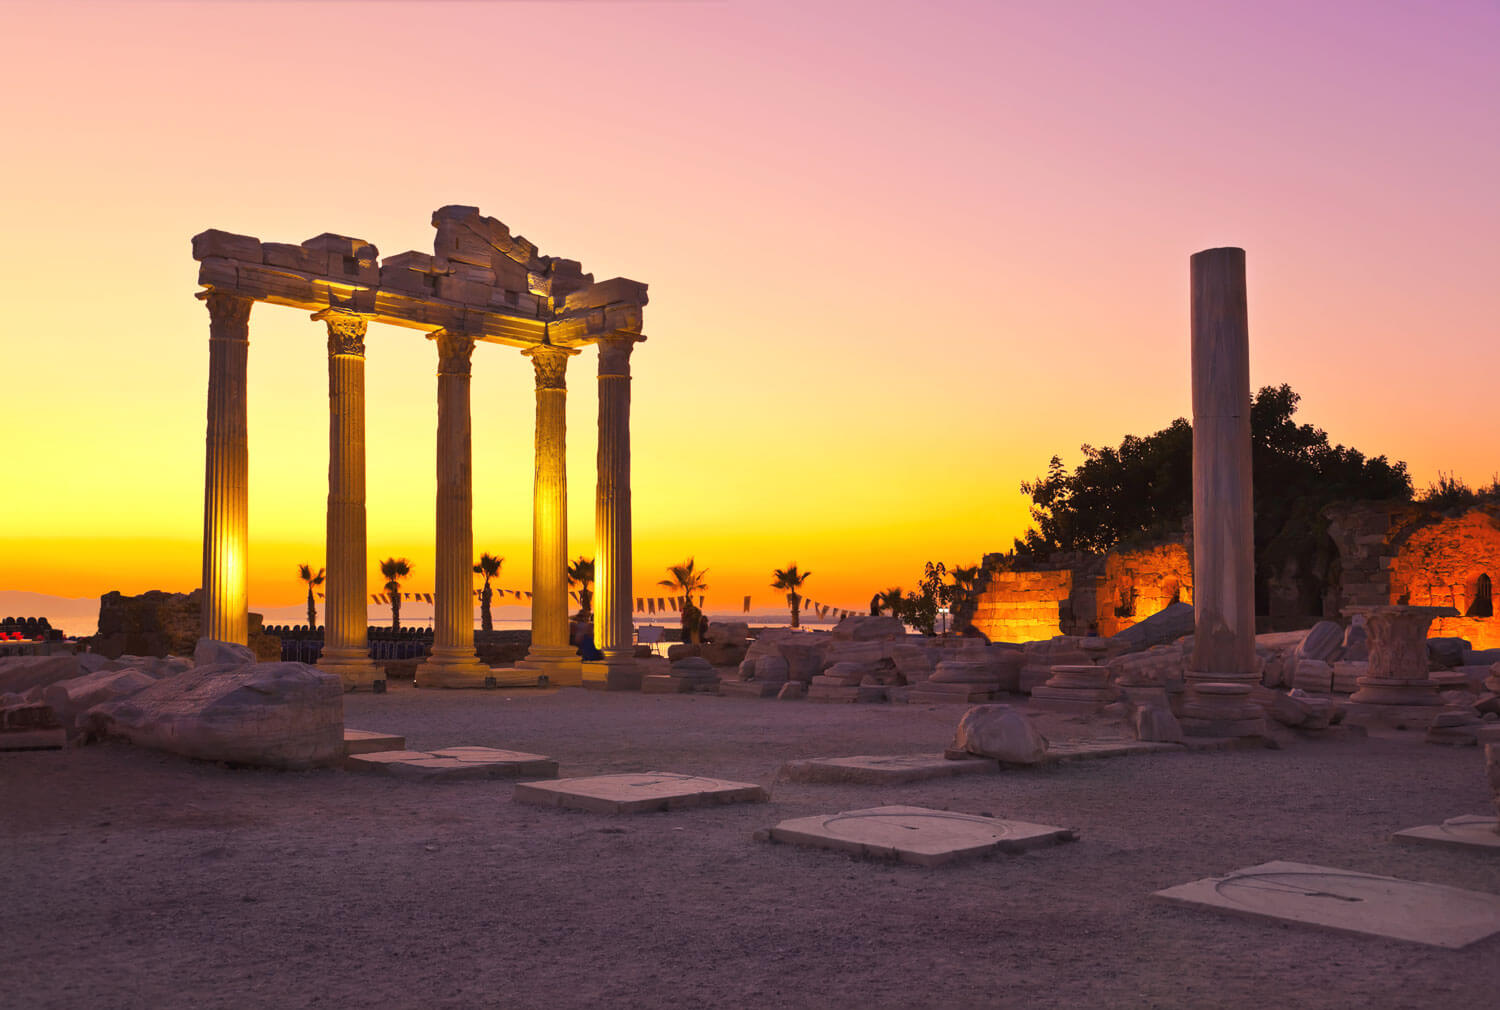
135	879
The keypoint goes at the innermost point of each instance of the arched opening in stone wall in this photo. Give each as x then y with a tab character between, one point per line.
1483	604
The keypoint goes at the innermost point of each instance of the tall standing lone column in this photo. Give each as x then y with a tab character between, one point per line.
346	649
1222	668
614	628
453	662
226	481
551	653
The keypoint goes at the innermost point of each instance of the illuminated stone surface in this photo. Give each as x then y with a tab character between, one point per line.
1350	902
346	650
916	834
479	284
1397	672
638	792
550	653
1223	664
614	632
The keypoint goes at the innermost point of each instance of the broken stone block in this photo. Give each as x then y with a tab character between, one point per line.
793	690
772	669
863	629
1323	642
1000	732
71	698
1156	725
1300	710
1313	676
226	245
211	653
277	715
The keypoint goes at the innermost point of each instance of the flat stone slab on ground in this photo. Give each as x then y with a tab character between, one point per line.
364	741
1060	751
916	834
749	688
454	763
33	739
883	769
638	792
1350	902
1470	831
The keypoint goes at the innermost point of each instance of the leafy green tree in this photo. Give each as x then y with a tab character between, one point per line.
1144	488
488	565
394	570
305	573
791	580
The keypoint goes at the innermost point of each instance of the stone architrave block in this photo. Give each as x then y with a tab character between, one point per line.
71	698
295	257
638	792
278	715
1348	902
226	245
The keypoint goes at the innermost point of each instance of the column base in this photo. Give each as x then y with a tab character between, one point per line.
613	674
452	667
560	664
1219	704
354	666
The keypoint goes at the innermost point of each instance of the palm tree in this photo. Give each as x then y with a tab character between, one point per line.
890	600
690	581
791	580
965	595
395	569
488	566
581	574
305	573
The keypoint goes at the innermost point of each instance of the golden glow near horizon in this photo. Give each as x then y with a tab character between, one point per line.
869	320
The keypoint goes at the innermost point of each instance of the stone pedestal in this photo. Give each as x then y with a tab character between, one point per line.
1078	690
346	650
1397	672
226	487
614	627
453	662
551	655
1222	668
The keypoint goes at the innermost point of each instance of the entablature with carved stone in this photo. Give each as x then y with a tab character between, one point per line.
479	279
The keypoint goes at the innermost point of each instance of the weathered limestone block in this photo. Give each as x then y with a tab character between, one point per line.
1000	732
208	652
966	670
1356	641
277	715
1156	724
682	650
1164	626
729	633
914	662
1160	664
771	669
853	652
1346	674
1446	653
847	674
747	668
1323	642
1455	728
1313	676
1492	768
864	629
793	690
804	659
28	715
20	674
71	698
1298	709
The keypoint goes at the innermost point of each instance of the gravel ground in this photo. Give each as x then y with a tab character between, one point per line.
136	879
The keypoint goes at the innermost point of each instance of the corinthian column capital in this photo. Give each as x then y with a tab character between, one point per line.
228	315
346	331
454	351
614	354
551	365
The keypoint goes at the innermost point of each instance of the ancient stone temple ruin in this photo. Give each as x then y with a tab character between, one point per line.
479	285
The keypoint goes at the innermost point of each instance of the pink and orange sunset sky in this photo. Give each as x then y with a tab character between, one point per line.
899	256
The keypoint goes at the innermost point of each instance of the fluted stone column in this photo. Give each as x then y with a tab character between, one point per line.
551	653
614	629
453	662
346	649
1223	666
226	497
